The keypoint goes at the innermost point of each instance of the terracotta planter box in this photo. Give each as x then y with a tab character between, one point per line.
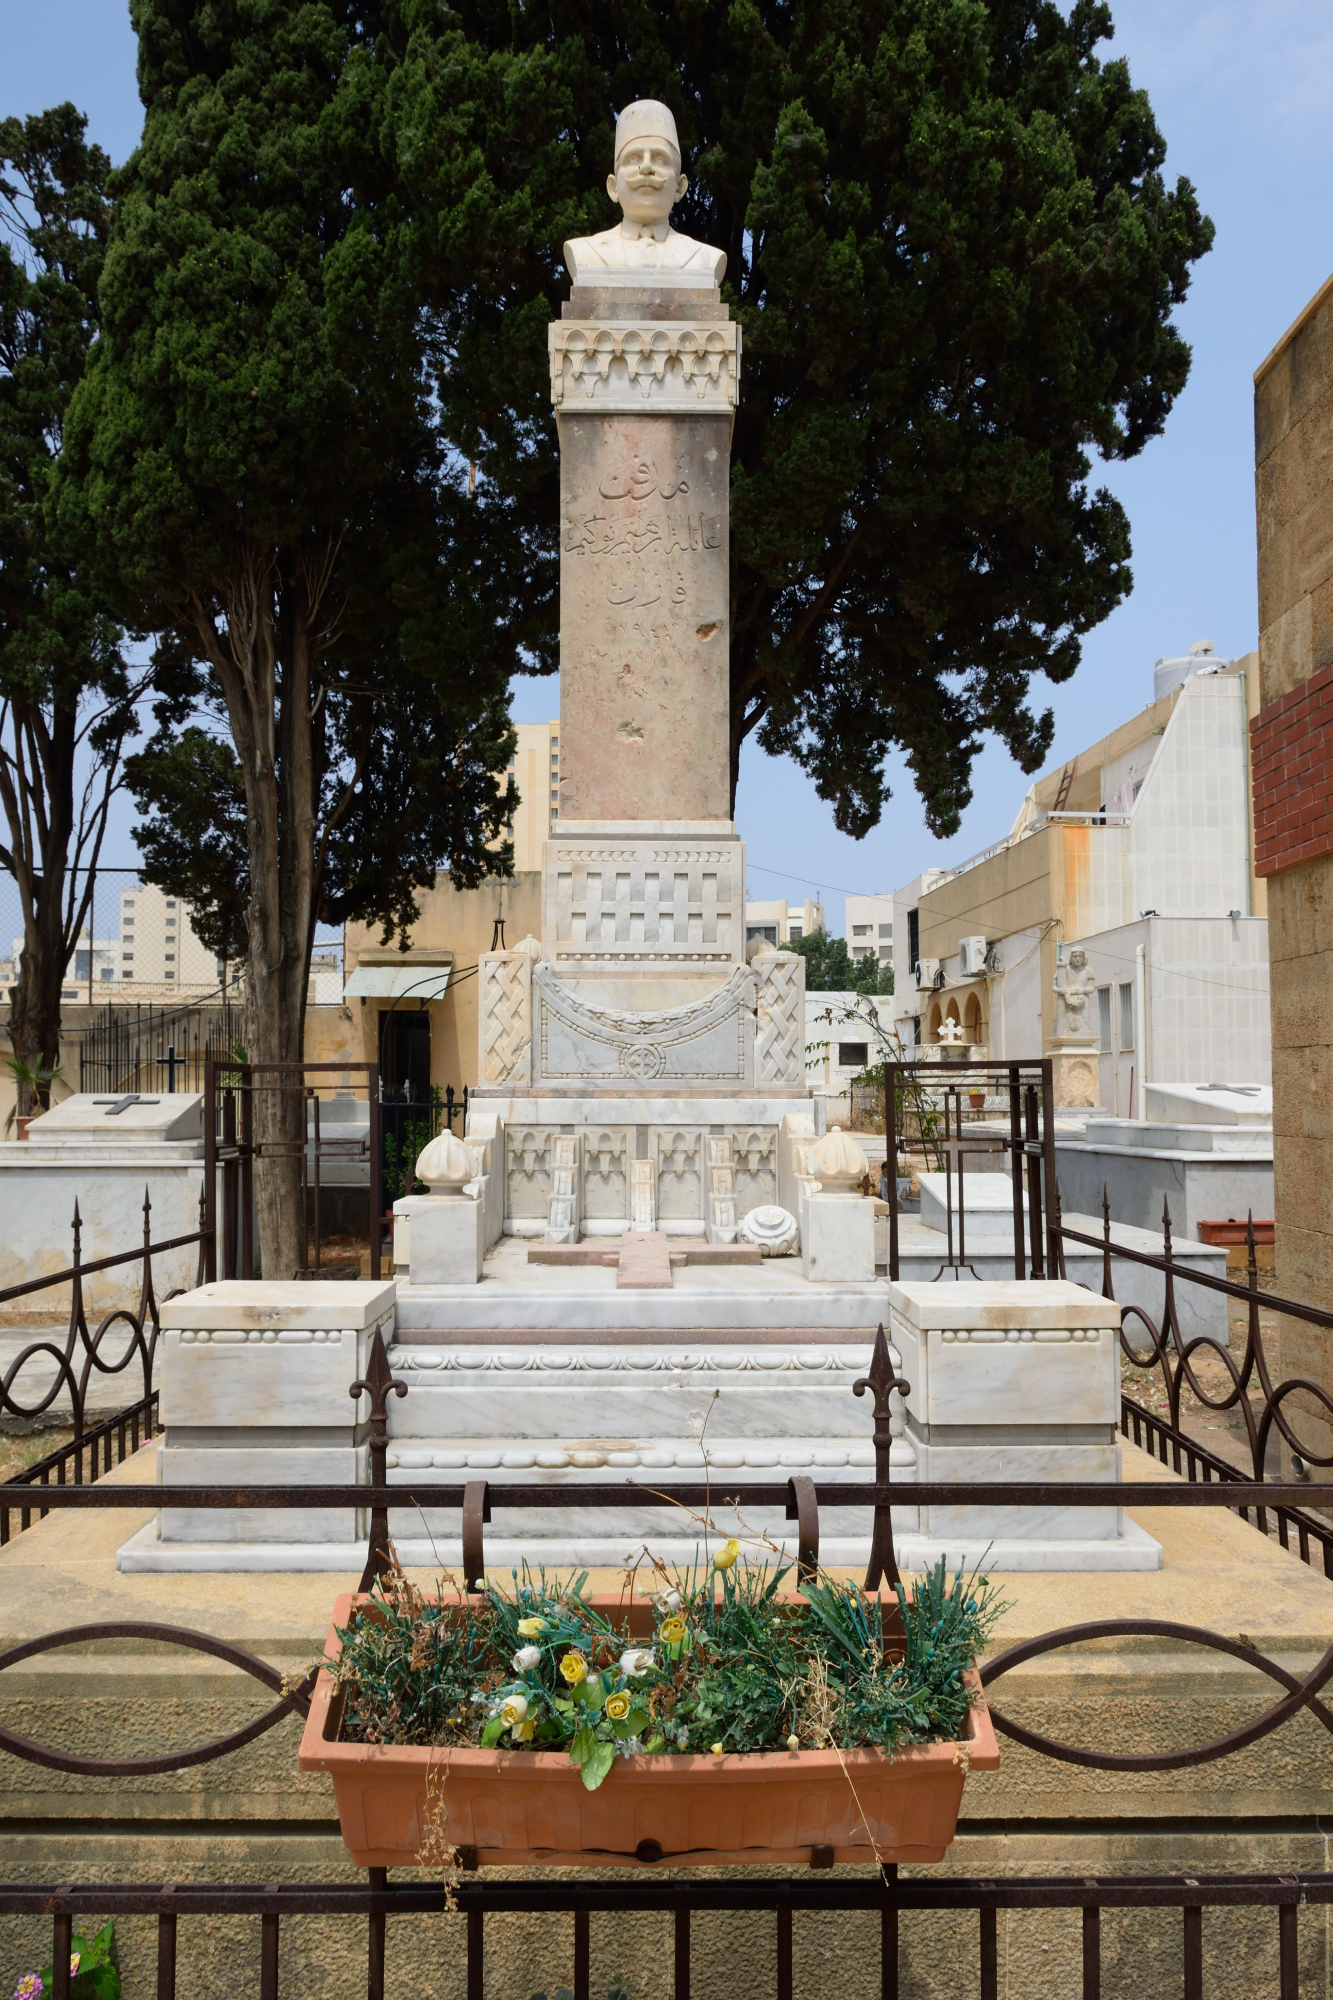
1233	1232
531	1806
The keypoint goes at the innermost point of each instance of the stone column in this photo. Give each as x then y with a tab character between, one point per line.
644	382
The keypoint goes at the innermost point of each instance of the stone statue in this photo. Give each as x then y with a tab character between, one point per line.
647	182
1074	994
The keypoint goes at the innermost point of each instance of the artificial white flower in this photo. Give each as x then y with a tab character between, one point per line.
527	1657
637	1660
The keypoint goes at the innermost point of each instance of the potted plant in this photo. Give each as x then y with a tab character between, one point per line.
721	1719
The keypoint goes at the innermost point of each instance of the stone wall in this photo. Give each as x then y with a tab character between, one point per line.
1293	421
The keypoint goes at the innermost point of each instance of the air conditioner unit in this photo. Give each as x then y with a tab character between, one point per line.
926	971
971	956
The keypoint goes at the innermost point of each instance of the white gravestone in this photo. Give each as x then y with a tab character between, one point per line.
104	1150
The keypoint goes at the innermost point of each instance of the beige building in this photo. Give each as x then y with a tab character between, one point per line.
535	769
869	927
780	922
1140	849
415	1013
1292	745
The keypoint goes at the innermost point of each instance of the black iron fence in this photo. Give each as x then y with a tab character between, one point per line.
474	1900
322	1140
930	1105
149	1048
78	1363
479	1898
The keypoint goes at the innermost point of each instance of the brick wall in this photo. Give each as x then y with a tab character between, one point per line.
1291	755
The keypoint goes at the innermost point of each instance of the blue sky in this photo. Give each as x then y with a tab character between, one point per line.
1243	93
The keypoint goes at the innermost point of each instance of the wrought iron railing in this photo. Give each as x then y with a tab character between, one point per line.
232	1091
80	1361
931	1096
1264	1417
480	1897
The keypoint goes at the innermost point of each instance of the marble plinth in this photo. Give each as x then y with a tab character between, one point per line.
1012	1381
254	1382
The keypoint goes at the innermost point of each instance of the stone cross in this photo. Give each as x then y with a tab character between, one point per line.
951	1034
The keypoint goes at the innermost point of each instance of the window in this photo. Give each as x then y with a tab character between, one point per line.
1104	1016
171	975
860	951
128	957
886	930
171	903
853	1055
885	953
129	923
913	938
1127	1015
860	930
768	931
171	923
171	958
795	931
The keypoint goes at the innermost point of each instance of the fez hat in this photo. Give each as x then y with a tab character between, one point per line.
646	119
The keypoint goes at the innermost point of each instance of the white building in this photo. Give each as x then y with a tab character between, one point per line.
780	922
1140	850
840	1041
869	927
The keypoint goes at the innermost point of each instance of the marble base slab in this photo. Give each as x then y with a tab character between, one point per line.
143	1554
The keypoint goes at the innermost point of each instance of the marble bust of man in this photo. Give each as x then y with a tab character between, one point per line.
643	248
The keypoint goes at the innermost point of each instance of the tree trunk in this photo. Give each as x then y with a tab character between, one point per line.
264	668
37	796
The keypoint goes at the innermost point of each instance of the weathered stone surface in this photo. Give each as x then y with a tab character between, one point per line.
643	617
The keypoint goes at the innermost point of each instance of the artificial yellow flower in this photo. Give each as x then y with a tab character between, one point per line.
530	1628
574	1668
717	1749
793	1742
672	1629
727	1554
514	1710
524	1732
617	1706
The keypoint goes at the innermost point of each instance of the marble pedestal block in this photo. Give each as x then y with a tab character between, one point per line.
445	1237
1016	1381
838	1237
254	1390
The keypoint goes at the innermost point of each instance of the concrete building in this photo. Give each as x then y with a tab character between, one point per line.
869	927
158	946
535	769
1292	749
780	922
1141	851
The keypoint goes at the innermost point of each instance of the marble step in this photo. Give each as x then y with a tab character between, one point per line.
522	1461
634	1396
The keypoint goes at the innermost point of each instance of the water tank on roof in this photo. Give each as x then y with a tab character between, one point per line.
1168	675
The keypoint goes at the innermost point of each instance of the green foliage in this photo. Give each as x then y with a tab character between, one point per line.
954	257
728	1669
67	699
830	967
33	1085
96	1977
402	1154
191	831
253	462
